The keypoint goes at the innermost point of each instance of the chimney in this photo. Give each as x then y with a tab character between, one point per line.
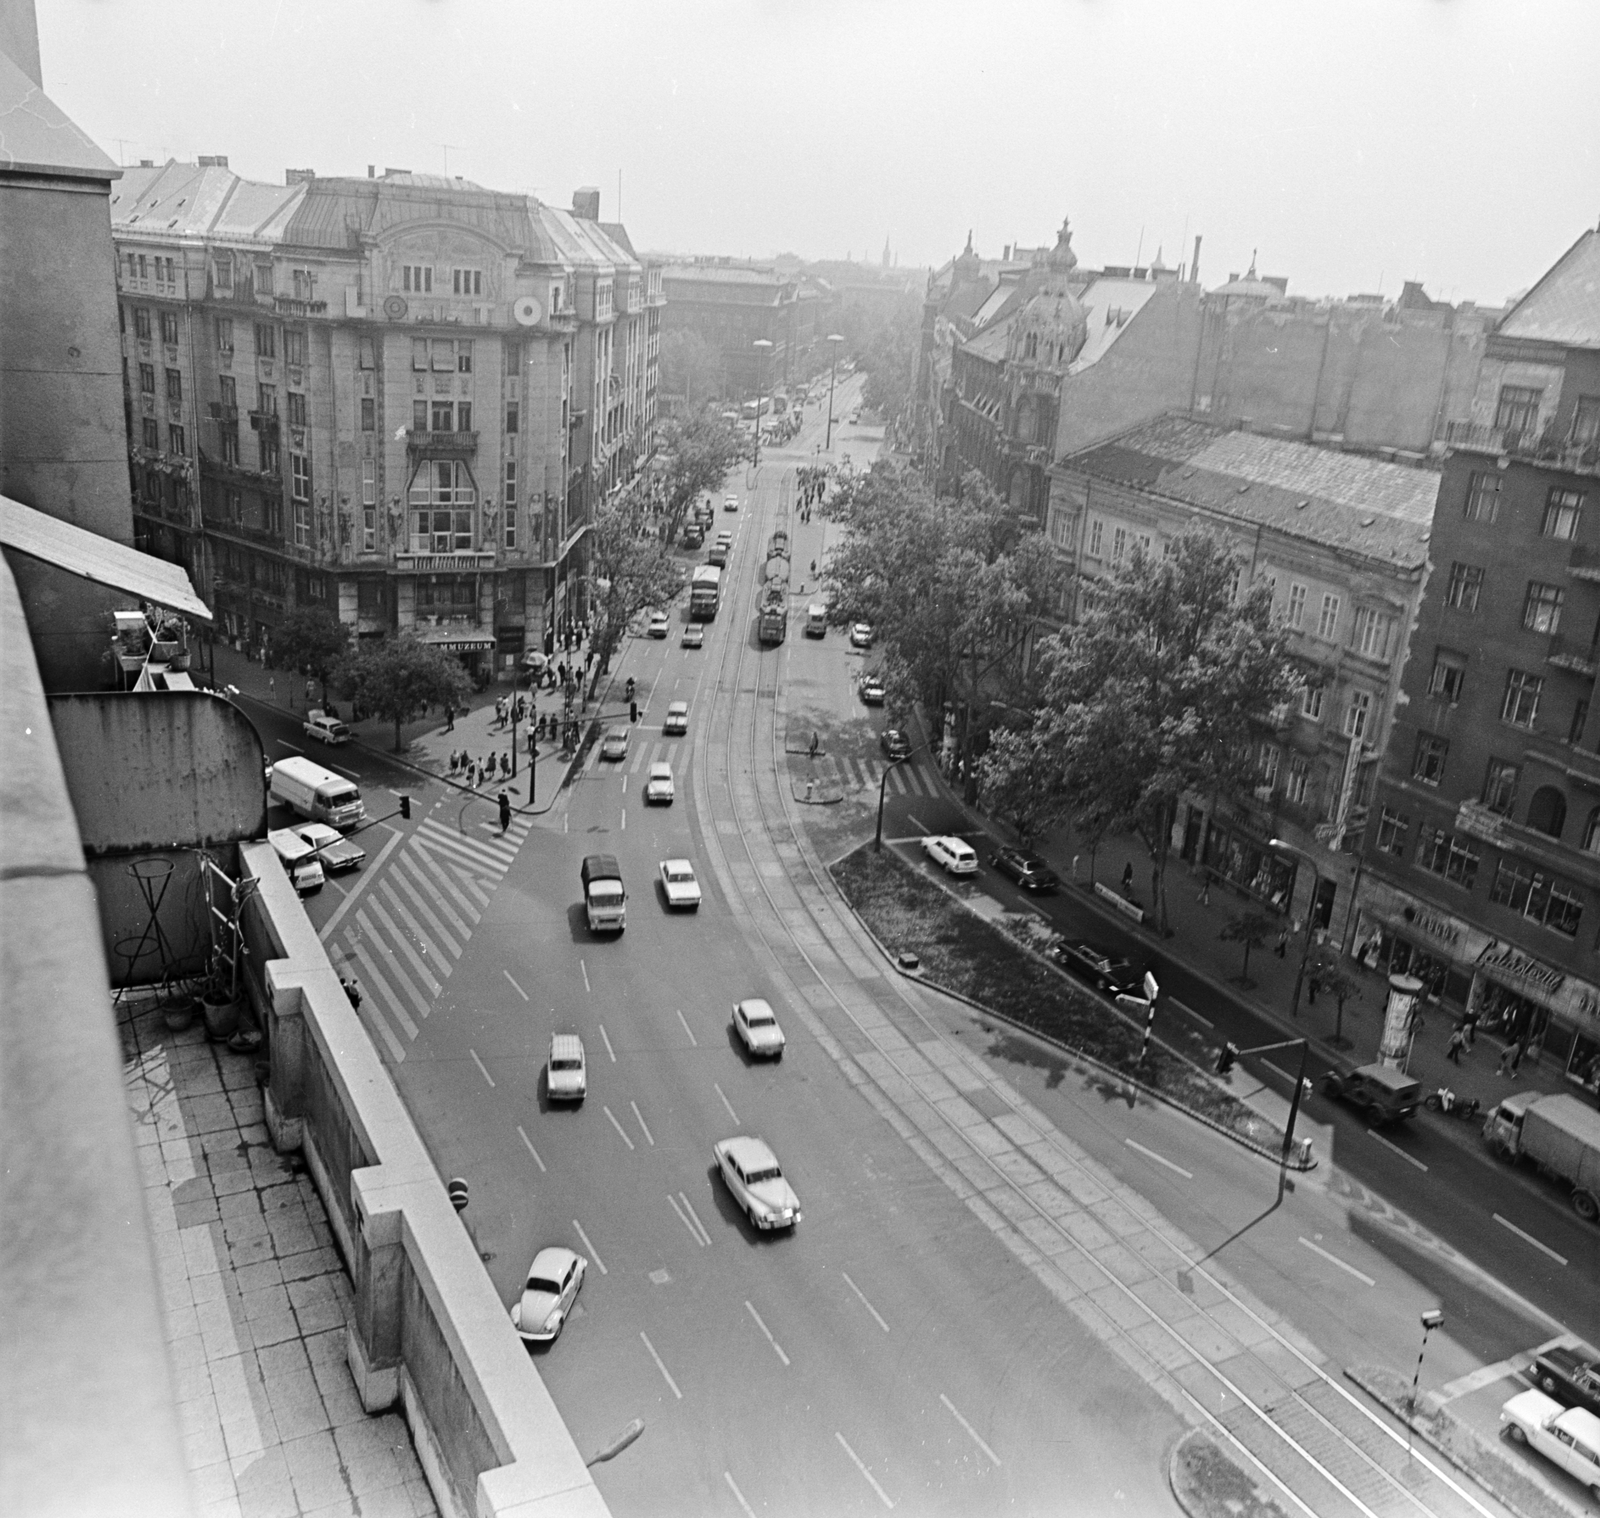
1194	263
298	176
586	203
147	163
372	171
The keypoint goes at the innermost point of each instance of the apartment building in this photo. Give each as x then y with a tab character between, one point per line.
398	396
1483	860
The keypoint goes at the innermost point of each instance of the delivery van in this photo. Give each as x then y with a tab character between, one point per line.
299	860
317	793
816	620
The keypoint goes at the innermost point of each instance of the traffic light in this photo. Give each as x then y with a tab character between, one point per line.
457	1190
405	807
1225	1058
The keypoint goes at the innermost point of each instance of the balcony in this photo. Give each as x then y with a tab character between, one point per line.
222	412
1572	654
238	474
442	442
1546	447
264	421
1585	564
444	563
288	305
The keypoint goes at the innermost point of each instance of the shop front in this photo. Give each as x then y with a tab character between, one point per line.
1247	863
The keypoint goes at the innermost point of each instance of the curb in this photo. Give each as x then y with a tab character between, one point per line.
1209	1482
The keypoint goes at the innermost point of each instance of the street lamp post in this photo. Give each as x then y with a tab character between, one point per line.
762	345
877	839
834	339
1431	1320
1284	847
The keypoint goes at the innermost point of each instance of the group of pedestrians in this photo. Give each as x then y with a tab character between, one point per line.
1464	1036
476	772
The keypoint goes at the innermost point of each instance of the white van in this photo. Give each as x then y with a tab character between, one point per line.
317	793
299	860
816	620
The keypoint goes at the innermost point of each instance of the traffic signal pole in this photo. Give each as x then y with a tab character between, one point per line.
1231	1051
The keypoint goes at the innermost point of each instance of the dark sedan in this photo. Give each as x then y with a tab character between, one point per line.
1565	1375
895	744
1028	870
1100	967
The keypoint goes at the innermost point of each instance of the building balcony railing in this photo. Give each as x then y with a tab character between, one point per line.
1544	447
289	306
1584	564
444	563
1571	654
264	421
222	412
239	474
442	442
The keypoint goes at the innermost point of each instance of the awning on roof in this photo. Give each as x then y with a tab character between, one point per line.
99	559
454	641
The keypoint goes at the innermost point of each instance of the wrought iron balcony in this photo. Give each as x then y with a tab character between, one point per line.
442	442
1571	654
264	421
1548	447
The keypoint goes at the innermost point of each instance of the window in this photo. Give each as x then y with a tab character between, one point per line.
369	482
1299	777
1096	529
466	281
147	379
267	399
1372	633
1547	811
1443	854
417	279
1541	612
1562	508
304	285
297	408
1358	715
444	355
143	269
509	491
1311	703
1590	842
464	416
1328	622
222	272
294	348
1500	786
267	451
176	440
1483	496
513	416
152	434
1521	705
369	414
1392	832
1119	544
300	476
229	390
266	340
366	356
1538	896
1466	581
174	387
443	416
224	334
419	355
445	494
1449	674
169	328
234	505
511	526
1297	606
1518	410
1427	764
1580	718
1267	764
141	322
1586	420
230	446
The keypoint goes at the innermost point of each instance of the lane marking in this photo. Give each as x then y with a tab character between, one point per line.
638	1114
883	1496
659	1366
1410	1159
479	1063
861	1297
725	1102
1334	1259
582	965
606	1039
588	1244
689	1207
917	822
738	1496
284	743
1150	1154
624	819
621	1134
1172	1001
683	1218
1278	1070
976	1437
687	1029
326	930
1560	1259
348	774
531	1150
514	986
767	1331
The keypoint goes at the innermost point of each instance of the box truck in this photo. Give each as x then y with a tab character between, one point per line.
1559	1134
604	896
317	793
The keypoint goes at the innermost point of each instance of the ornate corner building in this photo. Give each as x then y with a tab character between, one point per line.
399	397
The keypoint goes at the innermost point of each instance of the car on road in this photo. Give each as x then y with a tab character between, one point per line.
659	623
1103	969
1566	1436
1564	1374
677	718
861	635
566	1072
954	855
694	636
334	850
1384	1095
658	785
757	1026
325	729
1028	870
693	535
750	1171
552	1285
730	502
615	743
679	882
895	744
871	691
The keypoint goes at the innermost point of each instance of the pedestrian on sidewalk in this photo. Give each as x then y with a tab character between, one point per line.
1281	948
505	811
1458	1042
1313	985
1204	898
449	718
815	743
1511	1057
505	765
1127	880
272	686
1469	1026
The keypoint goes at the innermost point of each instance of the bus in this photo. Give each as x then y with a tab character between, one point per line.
705	593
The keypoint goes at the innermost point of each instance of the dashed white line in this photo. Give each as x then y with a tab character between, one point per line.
1150	1154
863	1300
514	986
624	819
665	1375
621	1132
975	1436
588	1244
479	1063
725	1102
689	1207
738	1496
607	1039
284	743
683	1218
1408	1158
531	1150
883	1496
1334	1259
585	968
1560	1259
767	1331
1172	1001
687	1029
922	831
638	1114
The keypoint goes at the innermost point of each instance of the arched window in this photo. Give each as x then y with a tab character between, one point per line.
1591	833
1547	812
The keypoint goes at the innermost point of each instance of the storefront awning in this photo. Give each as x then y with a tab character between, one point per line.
454	642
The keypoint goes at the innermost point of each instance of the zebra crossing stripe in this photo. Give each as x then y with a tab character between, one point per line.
386	997
460	853
471	884
432	876
373	944
431	944
488	851
399	881
399	940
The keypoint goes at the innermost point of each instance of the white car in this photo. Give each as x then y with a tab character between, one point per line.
861	635
615	743
730	502
1567	1436
566	1072
757	1026
678	881
658	788
319	724
659	623
750	1171
551	1288
677	718
954	855
694	636
334	850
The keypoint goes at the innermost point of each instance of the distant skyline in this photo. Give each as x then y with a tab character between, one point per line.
1353	145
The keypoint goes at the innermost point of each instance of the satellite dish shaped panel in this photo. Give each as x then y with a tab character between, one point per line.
394	308
526	311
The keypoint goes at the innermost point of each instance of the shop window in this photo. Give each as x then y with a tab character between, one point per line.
1427	764
1392	827
1449	674
1547	811
1451	858
1500	786
1538	896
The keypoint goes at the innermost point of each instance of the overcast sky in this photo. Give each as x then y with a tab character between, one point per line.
1356	143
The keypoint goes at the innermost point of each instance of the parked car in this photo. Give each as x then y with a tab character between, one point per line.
658	787
1564	1374
334	850
954	855
326	729
1028	870
1385	1095
871	691
677	718
659	623
861	635
757	1026
679	882
615	743
552	1285
694	636
750	1171
566	1072
1566	1436
1103	969
895	744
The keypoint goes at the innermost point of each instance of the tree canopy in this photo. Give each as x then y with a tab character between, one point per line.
629	569
399	678
696	451
885	346
312	639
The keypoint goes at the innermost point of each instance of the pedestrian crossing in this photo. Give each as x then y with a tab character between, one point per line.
829	770
412	924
